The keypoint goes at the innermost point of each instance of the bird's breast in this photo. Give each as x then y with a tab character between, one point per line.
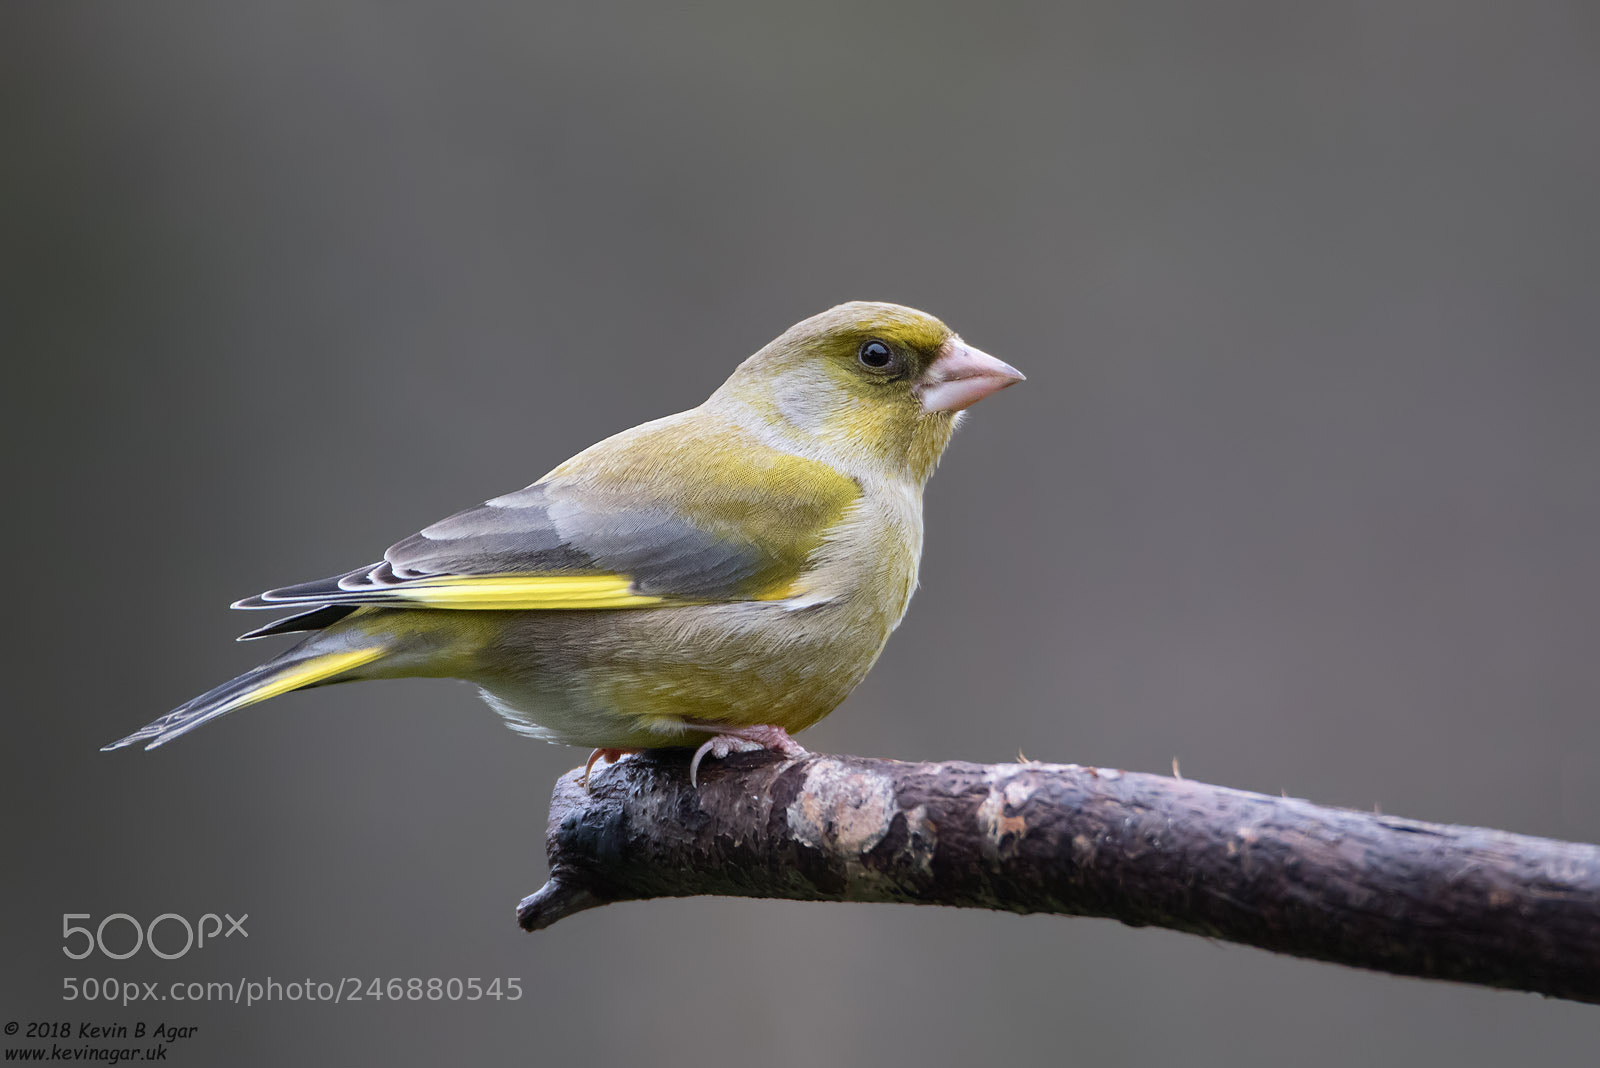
623	678
867	563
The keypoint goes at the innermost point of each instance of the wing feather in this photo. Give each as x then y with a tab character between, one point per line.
603	536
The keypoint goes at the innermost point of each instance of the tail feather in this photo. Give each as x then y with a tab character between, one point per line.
293	671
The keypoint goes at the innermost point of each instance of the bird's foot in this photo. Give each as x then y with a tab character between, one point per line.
610	756
741	740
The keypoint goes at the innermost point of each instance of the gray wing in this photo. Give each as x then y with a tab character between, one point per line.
552	532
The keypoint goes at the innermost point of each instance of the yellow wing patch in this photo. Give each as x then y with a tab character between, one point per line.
511	592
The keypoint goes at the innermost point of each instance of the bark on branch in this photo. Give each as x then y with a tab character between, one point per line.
1357	888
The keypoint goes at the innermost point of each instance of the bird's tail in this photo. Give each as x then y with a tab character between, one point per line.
312	663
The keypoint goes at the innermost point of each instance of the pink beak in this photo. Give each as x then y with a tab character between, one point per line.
961	376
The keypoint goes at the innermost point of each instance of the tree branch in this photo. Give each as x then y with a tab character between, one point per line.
1357	888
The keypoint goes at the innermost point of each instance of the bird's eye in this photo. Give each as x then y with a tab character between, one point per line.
875	354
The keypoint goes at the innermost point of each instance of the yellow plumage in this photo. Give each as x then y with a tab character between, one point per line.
512	592
725	575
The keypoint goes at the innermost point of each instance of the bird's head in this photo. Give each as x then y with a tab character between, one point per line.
879	383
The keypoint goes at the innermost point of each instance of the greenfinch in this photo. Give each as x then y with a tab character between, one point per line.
719	578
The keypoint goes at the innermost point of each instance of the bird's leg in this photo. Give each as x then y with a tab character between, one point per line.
610	756
740	740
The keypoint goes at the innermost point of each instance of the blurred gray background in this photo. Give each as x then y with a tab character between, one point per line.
1301	489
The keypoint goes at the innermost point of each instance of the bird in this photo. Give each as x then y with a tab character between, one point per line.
720	579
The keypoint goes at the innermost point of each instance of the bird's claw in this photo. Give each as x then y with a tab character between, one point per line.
719	747
742	740
610	756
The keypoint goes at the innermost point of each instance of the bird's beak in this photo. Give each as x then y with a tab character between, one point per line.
961	376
